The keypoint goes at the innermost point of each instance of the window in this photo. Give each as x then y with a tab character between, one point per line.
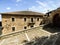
25	19
31	19
37	19
13	19
25	27
13	28
32	26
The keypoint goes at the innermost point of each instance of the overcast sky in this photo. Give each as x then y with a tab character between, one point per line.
32	5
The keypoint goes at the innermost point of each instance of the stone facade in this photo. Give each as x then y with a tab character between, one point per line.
18	21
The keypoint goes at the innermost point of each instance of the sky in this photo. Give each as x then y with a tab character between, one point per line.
31	5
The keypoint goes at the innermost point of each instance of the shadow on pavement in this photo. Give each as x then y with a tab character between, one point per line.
51	28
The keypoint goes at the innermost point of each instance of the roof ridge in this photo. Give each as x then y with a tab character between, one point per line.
24	13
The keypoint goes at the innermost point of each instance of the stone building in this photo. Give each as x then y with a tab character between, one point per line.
20	20
0	27
54	17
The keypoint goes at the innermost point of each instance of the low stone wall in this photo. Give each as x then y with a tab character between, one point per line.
17	38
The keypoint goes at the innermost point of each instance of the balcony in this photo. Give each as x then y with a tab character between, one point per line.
31	22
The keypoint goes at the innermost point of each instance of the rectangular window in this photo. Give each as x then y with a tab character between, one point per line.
13	19
13	28
31	19
37	19
25	19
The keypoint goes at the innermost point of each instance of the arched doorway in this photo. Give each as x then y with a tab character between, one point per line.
56	20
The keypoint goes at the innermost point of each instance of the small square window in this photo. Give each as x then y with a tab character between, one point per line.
5	20
25	27
32	26
13	19
13	28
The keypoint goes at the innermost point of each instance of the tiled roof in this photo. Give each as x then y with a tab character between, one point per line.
24	13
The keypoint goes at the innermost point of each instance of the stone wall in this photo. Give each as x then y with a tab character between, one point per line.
53	17
19	22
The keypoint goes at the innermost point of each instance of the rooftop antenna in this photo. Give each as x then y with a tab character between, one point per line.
47	10
48	13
